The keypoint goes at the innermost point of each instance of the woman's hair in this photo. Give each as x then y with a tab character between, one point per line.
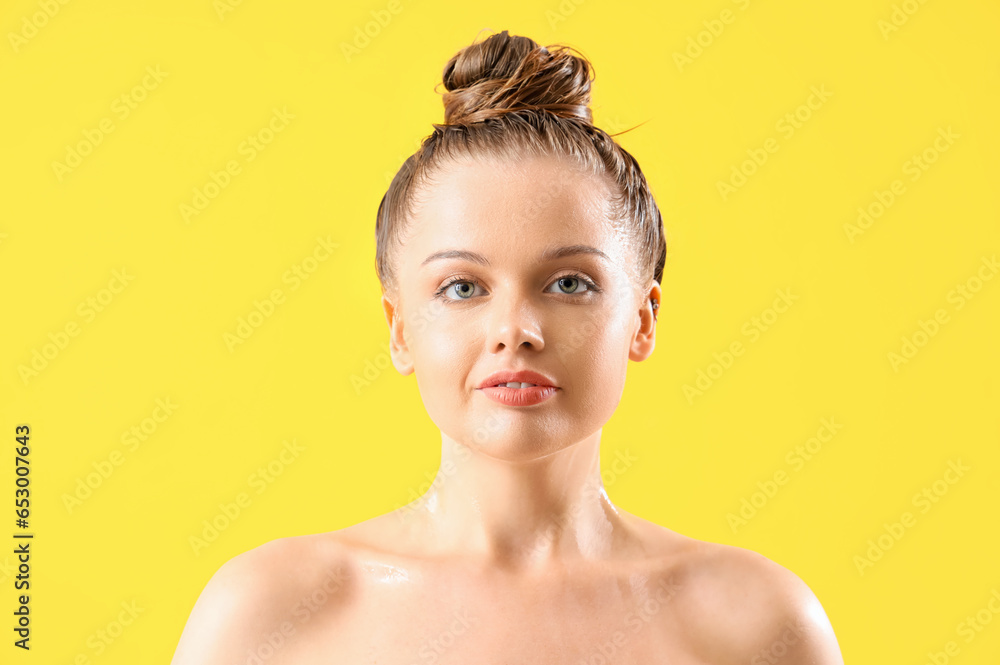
509	98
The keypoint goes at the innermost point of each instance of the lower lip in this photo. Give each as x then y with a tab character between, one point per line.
520	396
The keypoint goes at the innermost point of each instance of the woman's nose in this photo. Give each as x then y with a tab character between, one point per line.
513	323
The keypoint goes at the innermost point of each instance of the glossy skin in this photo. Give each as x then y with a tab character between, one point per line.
516	554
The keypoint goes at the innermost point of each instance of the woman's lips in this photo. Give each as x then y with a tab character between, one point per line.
519	396
505	376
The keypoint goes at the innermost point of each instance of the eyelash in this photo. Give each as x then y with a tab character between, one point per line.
440	292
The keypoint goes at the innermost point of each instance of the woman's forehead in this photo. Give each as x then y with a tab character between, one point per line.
539	201
540	179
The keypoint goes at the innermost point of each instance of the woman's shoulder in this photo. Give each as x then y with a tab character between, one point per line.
286	565
737	605
263	595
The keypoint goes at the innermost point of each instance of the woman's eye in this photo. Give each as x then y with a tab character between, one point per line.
464	289
571	285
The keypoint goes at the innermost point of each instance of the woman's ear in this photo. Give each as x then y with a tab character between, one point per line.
398	349
645	335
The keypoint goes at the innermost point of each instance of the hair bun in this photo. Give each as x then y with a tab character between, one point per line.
506	73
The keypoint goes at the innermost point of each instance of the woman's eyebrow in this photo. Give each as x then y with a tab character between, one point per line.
557	253
572	250
457	254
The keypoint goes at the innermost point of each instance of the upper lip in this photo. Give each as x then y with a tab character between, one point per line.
522	376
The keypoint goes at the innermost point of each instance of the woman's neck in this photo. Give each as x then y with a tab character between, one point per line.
521	515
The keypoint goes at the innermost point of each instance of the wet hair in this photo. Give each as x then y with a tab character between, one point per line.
509	98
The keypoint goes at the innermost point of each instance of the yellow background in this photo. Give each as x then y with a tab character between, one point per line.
367	448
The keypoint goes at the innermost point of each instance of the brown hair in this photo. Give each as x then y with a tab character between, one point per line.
507	97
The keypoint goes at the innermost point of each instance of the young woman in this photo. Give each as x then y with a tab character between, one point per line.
520	253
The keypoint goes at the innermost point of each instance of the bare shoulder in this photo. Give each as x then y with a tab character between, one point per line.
265	594
741	607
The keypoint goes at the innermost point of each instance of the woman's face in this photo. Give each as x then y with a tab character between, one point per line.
481	289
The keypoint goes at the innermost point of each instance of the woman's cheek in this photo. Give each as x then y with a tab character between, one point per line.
446	346
432	348
576	336
605	361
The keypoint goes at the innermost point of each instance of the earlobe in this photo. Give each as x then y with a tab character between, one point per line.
398	350
644	340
